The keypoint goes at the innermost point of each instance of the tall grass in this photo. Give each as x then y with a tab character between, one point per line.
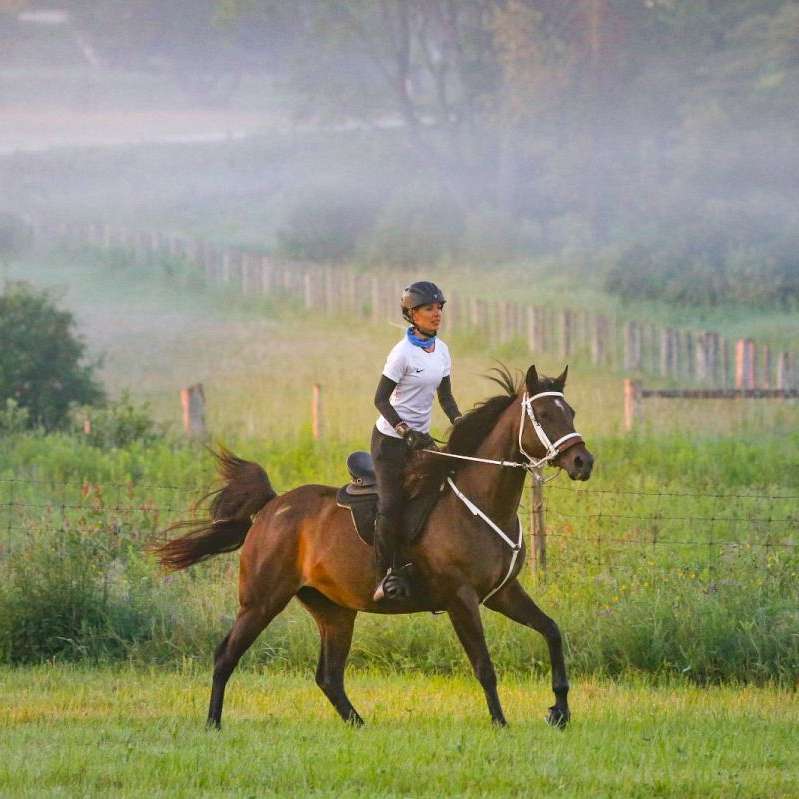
76	584
675	562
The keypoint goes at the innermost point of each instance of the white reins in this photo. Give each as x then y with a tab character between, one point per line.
553	449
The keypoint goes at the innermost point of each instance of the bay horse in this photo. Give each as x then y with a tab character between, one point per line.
302	544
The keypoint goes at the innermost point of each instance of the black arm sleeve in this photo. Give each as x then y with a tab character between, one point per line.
447	401
382	396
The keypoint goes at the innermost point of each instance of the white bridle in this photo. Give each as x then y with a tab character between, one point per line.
552	449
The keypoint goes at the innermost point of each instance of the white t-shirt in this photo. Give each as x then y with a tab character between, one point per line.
417	374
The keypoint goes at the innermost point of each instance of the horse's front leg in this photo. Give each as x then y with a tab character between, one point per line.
514	602
464	613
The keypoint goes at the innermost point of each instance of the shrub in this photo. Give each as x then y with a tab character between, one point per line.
41	358
13	419
717	259
68	595
117	424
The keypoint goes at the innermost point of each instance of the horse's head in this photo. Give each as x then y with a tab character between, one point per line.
547	426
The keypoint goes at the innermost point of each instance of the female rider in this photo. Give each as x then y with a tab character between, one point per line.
416	368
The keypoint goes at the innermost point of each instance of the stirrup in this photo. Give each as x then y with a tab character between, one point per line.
394	585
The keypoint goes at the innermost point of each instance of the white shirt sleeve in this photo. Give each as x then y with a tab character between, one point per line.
396	364
447	363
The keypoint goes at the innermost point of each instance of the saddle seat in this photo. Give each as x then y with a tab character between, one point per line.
359	496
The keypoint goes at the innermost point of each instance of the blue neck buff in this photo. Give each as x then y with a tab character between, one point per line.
424	343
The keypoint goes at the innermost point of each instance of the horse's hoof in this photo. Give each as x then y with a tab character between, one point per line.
557	718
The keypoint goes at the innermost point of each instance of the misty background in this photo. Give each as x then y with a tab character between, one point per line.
648	146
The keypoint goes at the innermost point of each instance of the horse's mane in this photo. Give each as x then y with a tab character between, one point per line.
427	472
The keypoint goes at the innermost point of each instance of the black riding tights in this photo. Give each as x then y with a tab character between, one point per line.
389	455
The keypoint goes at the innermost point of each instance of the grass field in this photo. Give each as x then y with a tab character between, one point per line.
257	362
674	577
77	732
696	575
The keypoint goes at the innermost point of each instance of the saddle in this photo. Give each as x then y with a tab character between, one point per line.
359	496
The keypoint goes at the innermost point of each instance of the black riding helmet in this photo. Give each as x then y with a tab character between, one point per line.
423	292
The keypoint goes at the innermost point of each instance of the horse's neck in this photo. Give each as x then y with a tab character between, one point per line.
497	490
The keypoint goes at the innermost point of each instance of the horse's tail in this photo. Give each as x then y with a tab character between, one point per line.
246	490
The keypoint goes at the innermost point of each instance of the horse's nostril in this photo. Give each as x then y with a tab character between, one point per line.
578	462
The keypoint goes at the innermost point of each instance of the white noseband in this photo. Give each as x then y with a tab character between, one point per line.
553	448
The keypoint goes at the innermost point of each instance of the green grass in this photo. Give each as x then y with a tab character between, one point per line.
67	731
257	361
682	582
655	570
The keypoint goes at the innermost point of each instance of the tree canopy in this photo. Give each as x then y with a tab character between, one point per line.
42	360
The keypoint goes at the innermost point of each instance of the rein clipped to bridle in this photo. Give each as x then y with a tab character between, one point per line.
533	465
553	448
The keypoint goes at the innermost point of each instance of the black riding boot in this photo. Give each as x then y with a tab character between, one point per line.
392	579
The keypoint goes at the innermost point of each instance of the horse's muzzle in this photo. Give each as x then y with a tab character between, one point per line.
578	462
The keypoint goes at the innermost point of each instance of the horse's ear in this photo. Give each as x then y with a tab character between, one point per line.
531	380
560	380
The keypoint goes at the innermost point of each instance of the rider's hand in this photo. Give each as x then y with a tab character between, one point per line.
402	429
418	440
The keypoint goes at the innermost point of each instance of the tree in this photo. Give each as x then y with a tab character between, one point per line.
42	365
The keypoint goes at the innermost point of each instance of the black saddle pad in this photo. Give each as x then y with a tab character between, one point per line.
363	509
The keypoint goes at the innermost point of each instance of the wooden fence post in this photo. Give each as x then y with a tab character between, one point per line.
308	293
667	352
713	350
784	371
534	339
193	401
317	421
765	367
566	333
632	403
700	356
632	346
690	353
375	293
744	363
599	340
539	529
724	355
494	322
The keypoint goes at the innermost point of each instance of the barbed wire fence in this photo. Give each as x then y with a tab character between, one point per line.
604	528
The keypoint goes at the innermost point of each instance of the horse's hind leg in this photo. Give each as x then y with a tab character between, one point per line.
335	631
249	624
464	613
514	602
